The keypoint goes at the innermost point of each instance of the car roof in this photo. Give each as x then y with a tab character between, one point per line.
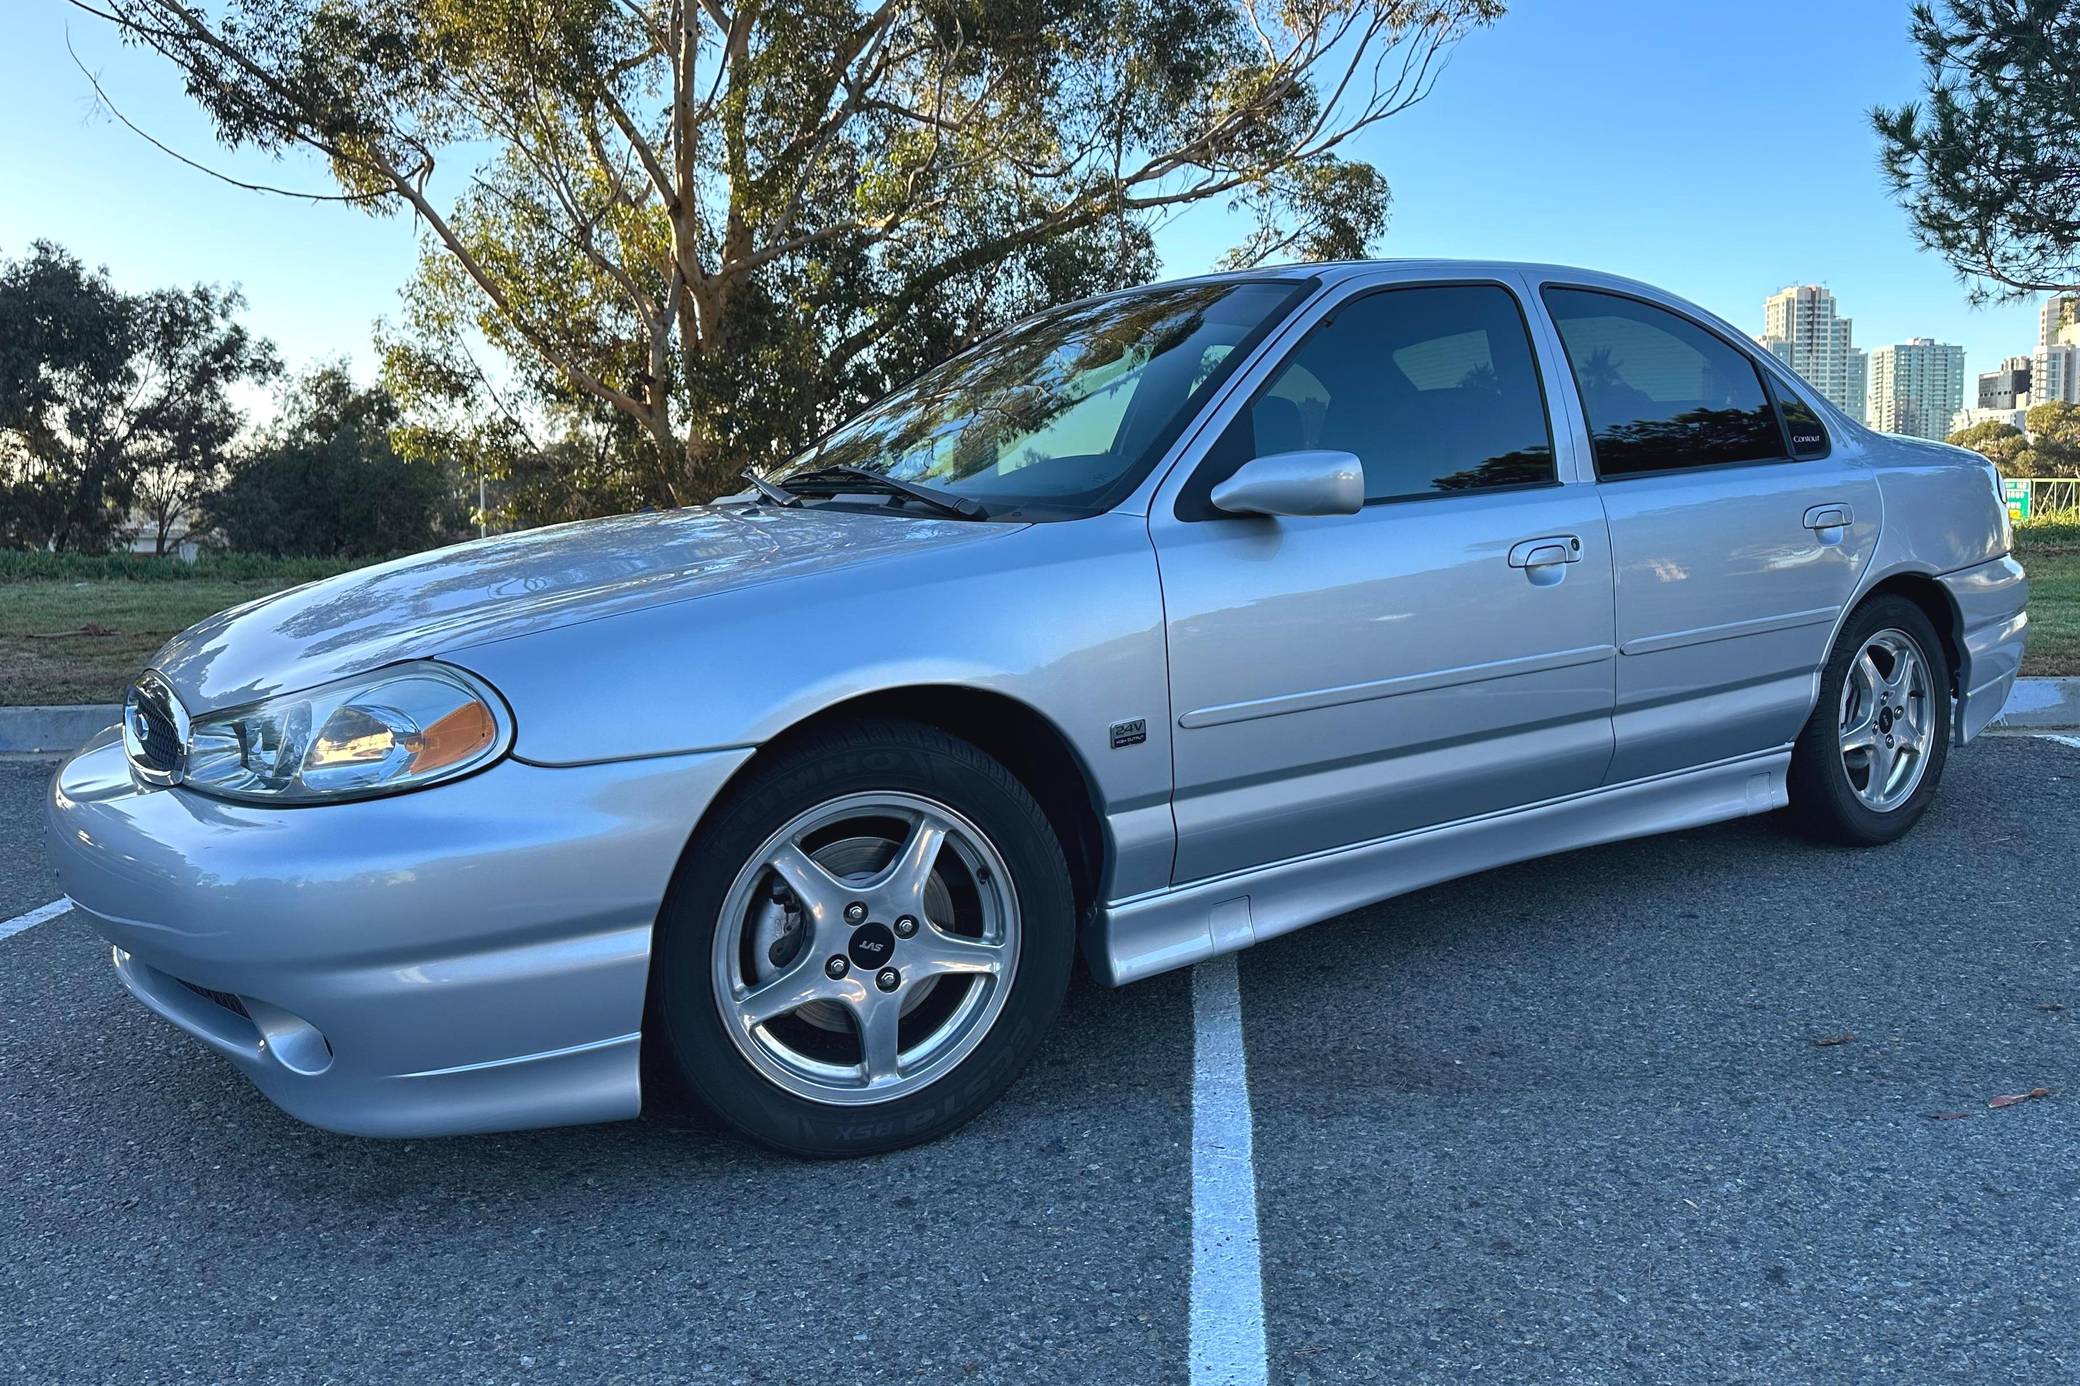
1331	271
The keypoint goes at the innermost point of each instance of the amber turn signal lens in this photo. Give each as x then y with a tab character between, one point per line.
455	737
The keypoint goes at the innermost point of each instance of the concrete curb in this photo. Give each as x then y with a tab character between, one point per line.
2041	705
55	730
2035	705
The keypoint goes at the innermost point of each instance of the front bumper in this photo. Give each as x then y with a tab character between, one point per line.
471	957
1993	624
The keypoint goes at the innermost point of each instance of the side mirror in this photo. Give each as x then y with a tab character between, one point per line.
1294	483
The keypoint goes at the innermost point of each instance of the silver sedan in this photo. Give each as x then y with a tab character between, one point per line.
1156	625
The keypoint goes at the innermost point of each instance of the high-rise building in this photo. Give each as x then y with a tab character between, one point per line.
2007	387
1801	328
2054	372
2055	314
1916	387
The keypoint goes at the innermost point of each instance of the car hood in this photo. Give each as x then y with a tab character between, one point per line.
493	589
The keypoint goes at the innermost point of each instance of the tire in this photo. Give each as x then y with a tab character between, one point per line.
818	880
1830	785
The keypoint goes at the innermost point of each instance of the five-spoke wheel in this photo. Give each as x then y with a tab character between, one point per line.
866	947
1886	711
1870	757
866	941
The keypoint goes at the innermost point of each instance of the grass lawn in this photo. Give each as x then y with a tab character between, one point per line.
45	659
2050	550
49	603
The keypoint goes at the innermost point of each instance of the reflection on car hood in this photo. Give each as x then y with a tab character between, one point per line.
495	588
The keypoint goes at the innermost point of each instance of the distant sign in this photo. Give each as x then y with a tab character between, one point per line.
2016	490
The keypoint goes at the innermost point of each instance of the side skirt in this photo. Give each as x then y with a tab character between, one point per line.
1141	936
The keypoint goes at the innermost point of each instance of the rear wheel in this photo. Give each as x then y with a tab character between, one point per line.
1872	754
866	943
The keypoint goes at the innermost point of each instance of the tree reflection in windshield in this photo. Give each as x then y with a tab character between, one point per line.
1066	411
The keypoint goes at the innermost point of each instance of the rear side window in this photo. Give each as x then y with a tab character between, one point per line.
1661	393
1433	389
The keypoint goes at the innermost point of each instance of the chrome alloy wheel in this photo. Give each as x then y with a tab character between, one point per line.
1887	717
866	948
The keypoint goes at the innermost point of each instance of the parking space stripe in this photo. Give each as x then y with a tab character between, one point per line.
2073	741
1227	1273
34	917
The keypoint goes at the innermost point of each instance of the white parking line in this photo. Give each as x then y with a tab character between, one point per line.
1227	1274
34	917
2073	741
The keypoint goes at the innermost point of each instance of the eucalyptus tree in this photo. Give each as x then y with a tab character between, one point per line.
711	226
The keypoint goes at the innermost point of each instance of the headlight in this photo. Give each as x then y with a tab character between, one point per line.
377	733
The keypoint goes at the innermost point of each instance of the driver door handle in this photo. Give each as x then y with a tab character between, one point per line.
1542	553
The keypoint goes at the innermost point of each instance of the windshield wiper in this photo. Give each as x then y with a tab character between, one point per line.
860	479
768	489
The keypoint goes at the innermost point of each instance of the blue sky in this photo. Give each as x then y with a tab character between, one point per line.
1717	149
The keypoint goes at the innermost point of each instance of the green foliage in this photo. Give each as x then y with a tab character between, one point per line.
2048	533
1989	166
326	481
111	400
2004	444
2054	430
695	236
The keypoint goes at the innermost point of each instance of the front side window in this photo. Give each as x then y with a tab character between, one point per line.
1432	388
1661	393
1062	414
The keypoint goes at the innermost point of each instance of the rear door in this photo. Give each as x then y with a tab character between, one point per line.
1739	529
1444	653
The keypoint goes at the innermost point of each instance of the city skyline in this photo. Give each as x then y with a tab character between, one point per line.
1803	326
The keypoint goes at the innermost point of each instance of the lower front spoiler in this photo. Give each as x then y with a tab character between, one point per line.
290	1061
471	958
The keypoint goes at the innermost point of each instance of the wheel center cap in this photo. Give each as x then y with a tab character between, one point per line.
1885	720
872	946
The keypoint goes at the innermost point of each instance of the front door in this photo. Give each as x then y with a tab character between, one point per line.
1740	531
1444	653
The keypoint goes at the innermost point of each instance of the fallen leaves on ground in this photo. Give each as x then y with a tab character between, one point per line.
2013	1098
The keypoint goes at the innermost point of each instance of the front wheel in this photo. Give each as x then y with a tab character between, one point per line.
1871	756
866	943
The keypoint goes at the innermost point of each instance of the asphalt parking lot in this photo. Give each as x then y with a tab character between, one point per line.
1564	1122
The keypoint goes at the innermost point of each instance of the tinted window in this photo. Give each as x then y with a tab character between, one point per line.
1661	393
1433	389
1801	425
1063	413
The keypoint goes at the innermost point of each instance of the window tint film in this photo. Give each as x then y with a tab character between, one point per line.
1661	393
1433	389
1060	415
1801	425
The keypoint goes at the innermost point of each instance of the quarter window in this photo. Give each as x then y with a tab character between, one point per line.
1432	388
1661	393
1801	425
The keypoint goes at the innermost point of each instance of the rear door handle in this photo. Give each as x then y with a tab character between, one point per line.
1543	553
1833	515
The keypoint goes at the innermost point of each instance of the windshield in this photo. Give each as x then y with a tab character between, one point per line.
1063	414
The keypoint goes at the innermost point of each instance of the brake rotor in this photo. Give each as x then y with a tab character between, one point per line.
777	932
